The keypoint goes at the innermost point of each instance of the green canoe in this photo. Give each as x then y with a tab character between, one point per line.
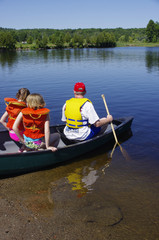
12	162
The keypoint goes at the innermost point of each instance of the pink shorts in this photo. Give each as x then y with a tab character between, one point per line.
14	136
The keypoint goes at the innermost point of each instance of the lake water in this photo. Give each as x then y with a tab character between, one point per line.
109	200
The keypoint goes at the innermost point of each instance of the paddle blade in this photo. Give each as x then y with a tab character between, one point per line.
125	153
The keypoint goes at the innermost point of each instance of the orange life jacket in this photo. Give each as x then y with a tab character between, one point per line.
34	121
13	108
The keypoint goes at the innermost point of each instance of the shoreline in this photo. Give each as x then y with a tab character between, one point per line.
118	44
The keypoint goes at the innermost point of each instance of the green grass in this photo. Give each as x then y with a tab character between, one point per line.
137	44
24	46
27	46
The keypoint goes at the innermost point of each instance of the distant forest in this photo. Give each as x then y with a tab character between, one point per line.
76	38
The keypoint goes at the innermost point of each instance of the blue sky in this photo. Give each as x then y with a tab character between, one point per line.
63	14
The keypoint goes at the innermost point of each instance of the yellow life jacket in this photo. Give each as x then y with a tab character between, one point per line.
73	114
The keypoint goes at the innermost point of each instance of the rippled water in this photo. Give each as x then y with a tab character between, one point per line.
129	79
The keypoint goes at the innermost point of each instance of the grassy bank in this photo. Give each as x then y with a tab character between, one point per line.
137	44
27	46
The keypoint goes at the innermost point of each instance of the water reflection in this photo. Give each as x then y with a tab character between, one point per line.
79	181
83	178
9	58
152	60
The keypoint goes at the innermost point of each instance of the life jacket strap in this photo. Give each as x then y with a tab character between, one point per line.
10	117
33	128
39	116
77	125
15	103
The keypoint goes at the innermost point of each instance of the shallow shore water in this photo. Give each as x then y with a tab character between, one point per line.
86	199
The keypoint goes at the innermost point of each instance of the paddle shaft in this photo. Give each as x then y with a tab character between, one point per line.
111	122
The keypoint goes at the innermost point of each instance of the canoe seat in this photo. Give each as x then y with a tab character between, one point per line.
9	147
69	142
64	138
61	144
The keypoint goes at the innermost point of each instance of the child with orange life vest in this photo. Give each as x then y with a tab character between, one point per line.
14	107
36	123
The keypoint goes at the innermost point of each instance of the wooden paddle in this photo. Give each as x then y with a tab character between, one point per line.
125	154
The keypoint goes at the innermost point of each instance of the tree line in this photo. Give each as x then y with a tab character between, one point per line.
46	38
76	38
152	31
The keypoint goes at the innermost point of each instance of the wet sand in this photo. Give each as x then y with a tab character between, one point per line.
93	199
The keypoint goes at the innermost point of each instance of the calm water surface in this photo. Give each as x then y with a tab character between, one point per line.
119	195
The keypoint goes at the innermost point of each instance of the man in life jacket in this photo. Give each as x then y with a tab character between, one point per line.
82	121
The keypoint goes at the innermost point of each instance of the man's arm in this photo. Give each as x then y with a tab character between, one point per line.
103	121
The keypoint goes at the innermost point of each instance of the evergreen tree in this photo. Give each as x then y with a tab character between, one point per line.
157	30
44	41
67	37
53	38
150	31
60	41
30	40
7	41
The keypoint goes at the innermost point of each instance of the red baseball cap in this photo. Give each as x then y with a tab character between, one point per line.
79	87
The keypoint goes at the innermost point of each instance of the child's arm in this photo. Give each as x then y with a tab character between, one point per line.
47	134
3	120
15	127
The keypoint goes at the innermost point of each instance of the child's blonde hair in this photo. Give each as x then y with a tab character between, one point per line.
35	101
22	94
